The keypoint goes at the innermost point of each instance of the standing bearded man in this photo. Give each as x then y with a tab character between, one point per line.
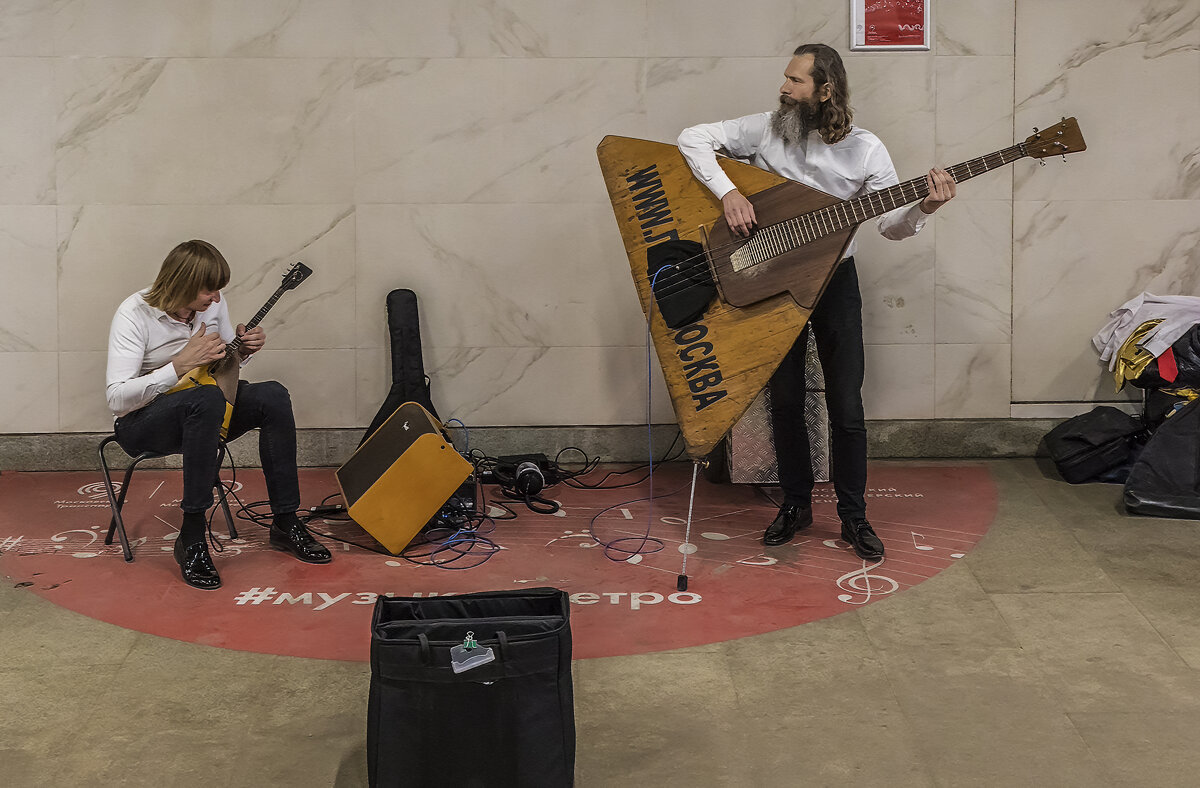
810	139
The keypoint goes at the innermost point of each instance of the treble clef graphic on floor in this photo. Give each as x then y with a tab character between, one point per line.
860	582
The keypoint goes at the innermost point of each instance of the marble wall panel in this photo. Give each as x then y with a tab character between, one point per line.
502	28
1130	72
27	400
27	130
1074	263
974	27
893	95
528	386
206	28
713	28
27	28
486	276
29	297
896	279
972	381
80	402
373	381
319	381
177	131
108	252
974	118
132	28
682	92
450	147
973	283
285	28
529	136
899	382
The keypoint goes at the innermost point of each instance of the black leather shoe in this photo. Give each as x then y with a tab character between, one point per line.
196	566
791	518
861	536
296	539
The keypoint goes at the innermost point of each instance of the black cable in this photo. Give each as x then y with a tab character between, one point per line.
573	481
643	540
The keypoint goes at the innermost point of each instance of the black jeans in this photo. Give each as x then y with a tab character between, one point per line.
189	422
836	323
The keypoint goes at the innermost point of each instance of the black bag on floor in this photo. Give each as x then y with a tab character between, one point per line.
1165	479
1097	446
499	714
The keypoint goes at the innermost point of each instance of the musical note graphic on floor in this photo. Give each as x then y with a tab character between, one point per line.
860	582
916	536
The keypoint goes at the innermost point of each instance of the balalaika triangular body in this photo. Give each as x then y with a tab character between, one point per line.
717	362
717	365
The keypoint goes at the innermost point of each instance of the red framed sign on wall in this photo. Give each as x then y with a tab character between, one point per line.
889	24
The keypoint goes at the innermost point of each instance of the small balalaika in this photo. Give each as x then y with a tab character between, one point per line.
225	371
724	310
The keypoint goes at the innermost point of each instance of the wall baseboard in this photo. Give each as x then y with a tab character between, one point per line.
908	439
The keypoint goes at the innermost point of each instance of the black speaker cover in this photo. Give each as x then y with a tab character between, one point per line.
681	281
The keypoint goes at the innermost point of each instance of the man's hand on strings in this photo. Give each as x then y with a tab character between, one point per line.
201	348
941	190
739	213
252	341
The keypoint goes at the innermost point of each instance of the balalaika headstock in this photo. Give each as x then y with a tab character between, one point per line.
295	275
1058	140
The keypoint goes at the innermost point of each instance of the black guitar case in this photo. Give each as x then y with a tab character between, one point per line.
409	381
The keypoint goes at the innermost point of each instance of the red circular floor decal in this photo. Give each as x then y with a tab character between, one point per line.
53	524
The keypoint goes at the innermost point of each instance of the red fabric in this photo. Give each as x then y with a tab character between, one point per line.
1167	370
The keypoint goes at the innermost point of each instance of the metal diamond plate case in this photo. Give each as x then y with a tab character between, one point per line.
751	441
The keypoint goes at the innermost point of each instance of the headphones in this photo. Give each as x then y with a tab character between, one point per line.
523	483
528	479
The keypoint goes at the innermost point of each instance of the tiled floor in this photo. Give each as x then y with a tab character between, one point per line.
1062	650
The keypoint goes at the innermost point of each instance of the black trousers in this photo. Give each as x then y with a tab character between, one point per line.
836	323
189	422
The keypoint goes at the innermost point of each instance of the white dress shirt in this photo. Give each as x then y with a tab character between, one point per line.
141	342
850	168
1177	313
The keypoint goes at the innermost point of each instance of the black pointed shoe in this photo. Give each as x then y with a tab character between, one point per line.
791	518
196	566
295	539
861	536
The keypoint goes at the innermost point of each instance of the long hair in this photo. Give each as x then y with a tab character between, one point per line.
188	268
834	115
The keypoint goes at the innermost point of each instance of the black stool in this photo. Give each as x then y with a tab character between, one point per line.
118	501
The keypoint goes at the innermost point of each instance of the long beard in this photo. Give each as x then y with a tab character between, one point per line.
795	119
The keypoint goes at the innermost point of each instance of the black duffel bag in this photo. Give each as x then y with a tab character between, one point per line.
1097	446
472	690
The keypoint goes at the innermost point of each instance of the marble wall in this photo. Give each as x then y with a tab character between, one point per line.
448	146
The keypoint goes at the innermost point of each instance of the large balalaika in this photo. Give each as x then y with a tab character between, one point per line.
733	305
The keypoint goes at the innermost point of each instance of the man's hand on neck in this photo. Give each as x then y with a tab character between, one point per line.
941	190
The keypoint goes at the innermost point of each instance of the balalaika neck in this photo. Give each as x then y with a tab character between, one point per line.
795	232
254	321
871	205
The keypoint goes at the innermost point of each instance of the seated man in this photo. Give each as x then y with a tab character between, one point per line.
157	336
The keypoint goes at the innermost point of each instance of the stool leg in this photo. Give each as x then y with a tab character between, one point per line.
233	534
116	524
